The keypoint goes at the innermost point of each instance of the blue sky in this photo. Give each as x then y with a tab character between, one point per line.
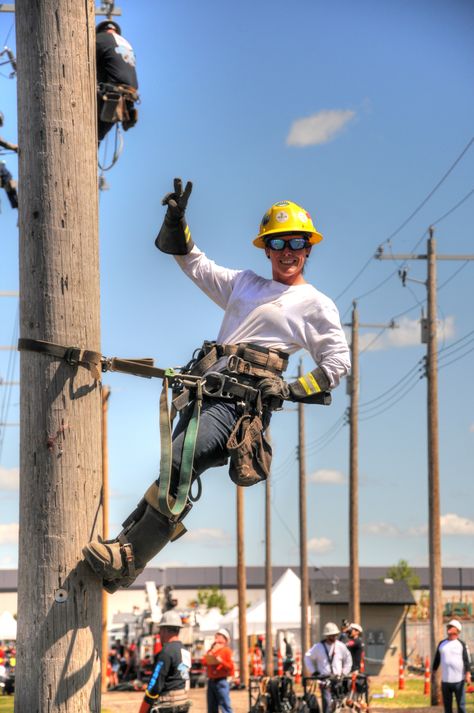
355	111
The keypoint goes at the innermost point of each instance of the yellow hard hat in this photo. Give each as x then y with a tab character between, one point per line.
283	218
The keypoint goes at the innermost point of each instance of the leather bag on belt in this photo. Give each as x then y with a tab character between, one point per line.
249	451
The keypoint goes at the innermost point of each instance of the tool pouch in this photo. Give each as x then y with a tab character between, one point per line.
111	110
249	451
130	115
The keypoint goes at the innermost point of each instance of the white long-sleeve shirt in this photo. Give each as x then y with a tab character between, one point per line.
271	314
336	660
454	658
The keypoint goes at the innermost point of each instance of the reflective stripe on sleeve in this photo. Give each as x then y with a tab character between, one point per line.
309	384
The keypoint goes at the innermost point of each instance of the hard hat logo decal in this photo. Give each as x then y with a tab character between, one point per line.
265	219
303	217
281	216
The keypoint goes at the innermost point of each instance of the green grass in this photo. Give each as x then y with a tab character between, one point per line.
411	697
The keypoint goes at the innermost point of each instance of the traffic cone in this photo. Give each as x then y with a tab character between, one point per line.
401	674
426	689
280	663
298	668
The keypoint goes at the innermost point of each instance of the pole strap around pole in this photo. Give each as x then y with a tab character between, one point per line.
171	507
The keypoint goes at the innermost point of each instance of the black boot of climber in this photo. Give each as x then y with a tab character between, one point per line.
119	562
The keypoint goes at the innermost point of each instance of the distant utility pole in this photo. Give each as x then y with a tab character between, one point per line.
268	577
59	598
303	526
434	529
242	589
353	390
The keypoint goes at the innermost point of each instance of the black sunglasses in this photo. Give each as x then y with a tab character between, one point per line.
292	243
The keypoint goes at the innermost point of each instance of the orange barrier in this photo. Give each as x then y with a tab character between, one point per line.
427	687
298	668
280	664
401	674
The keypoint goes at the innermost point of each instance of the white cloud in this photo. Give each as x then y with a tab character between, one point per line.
417	530
407	334
452	524
9	534
9	478
385	529
318	128
208	536
326	475
320	545
8	563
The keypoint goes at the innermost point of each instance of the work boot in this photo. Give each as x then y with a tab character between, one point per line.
119	562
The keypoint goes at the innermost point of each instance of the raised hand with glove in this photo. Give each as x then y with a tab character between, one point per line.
312	388
174	237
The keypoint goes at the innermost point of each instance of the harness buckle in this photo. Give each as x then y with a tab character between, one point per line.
216	385
237	365
72	356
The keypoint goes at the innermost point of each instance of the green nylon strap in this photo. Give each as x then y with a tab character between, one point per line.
166	505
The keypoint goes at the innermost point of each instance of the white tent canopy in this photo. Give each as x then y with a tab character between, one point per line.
7	627
286	608
209	622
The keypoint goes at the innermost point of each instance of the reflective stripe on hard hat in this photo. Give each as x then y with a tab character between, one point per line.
286	218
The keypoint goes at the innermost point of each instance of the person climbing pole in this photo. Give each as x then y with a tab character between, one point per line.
239	377
117	82
8	184
4	144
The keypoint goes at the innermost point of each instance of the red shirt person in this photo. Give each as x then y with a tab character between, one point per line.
220	664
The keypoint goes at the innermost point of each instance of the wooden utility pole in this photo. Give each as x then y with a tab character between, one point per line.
354	578
434	511
105	529
242	589
353	389
59	598
268	580
303	526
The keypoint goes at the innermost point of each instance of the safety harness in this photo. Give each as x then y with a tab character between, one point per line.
241	367
118	104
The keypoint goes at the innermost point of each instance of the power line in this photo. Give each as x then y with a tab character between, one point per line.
387	391
401	396
432	192
435	222
458	341
453	361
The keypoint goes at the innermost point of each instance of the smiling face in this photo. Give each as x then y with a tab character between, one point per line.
288	264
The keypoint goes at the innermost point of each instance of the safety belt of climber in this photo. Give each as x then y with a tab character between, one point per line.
173	507
170	507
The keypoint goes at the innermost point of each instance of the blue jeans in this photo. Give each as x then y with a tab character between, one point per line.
218	696
460	693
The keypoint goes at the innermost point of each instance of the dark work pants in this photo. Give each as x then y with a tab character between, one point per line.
215	426
458	689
